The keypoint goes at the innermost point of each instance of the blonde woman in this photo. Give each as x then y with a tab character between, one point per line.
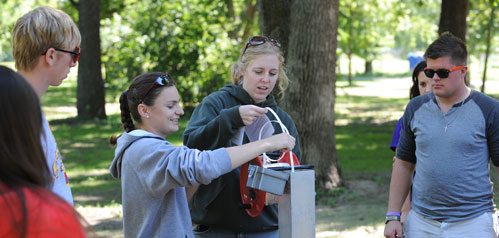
221	120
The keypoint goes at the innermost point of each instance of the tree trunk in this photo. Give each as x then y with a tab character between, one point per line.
487	52
90	90
231	15
274	18
250	19
350	83
311	64
350	51
369	67
453	17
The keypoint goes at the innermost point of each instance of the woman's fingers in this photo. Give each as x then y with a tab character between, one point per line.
250	113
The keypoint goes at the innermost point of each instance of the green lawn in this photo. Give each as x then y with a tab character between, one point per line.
362	143
366	114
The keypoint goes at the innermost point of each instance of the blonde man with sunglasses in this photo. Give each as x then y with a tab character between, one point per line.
45	46
449	136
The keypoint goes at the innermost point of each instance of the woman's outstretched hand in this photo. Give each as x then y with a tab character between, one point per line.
283	142
244	153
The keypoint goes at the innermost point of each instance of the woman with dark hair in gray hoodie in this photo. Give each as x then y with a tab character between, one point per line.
154	173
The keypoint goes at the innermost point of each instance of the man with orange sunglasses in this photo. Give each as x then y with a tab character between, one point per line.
449	135
45	46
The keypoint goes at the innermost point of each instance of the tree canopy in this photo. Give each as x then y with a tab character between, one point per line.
196	41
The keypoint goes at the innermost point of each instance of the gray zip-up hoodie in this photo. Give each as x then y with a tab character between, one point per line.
153	175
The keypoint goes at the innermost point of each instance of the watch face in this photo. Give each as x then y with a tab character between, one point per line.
392	218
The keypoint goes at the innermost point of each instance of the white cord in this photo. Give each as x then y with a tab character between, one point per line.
285	130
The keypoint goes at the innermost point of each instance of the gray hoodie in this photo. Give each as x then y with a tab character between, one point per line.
153	175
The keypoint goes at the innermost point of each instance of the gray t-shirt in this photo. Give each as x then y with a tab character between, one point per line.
452	180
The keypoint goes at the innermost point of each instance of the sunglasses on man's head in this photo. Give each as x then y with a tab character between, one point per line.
442	73
161	81
260	40
75	53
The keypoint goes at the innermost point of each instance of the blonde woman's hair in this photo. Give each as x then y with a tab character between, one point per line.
39	30
253	52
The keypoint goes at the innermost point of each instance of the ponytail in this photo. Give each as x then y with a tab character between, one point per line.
126	119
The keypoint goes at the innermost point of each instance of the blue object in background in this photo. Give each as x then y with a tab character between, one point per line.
414	59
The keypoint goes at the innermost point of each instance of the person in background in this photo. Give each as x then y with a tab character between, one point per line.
420	86
28	208
451	133
227	118
154	173
45	44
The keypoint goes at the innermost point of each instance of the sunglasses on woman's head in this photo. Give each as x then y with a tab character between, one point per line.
75	53
161	81
260	40
442	73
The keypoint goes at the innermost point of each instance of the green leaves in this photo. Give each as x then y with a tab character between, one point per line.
479	17
186	38
371	26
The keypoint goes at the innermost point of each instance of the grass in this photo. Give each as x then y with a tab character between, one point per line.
363	131
366	113
87	155
362	143
85	145
364	147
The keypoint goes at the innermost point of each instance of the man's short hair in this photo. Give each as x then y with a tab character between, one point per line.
39	30
448	45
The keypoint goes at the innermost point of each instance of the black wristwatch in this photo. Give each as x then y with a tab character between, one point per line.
391	217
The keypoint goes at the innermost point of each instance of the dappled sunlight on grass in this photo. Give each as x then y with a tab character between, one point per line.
95	190
359	231
88	172
58	112
365	117
384	88
356	211
364	147
82	145
106	220
87	155
368	109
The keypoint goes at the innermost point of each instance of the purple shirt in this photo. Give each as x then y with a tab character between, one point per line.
396	136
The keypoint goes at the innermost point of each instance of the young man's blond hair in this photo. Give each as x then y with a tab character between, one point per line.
39	30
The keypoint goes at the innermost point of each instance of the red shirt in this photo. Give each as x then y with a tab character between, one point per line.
47	215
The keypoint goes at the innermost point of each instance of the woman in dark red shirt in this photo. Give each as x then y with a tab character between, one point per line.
27	208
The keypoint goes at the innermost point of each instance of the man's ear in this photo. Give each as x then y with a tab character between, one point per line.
143	110
463	71
49	57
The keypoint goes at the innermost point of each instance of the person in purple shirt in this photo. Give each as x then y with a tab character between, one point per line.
420	86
